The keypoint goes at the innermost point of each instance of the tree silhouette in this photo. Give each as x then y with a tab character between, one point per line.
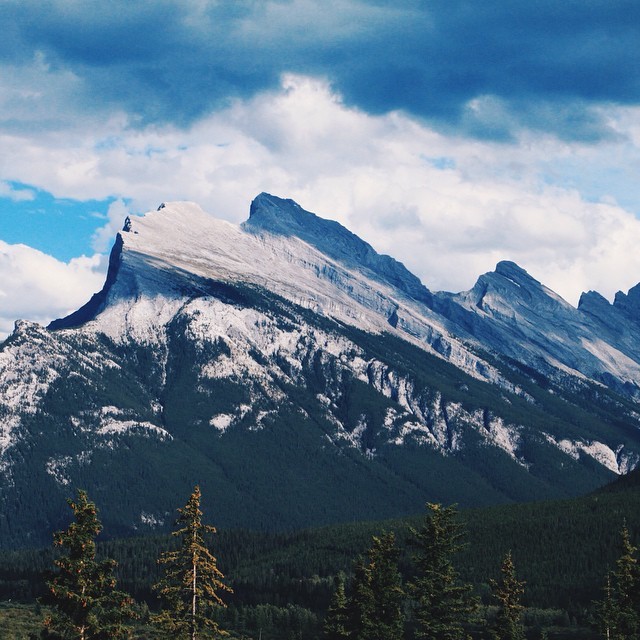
191	579
375	606
508	591
619	613
86	605
336	621
442	603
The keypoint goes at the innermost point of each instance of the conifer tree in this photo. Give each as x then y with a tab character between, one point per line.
376	603
360	603
606	610
82	592
619	613
627	577
442	603
508	591
191	579
336	622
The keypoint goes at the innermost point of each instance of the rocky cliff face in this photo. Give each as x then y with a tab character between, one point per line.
511	313
303	378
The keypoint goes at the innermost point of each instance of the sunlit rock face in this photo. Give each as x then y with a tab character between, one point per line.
305	379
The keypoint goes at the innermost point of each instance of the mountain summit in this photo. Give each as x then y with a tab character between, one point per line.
305	379
287	218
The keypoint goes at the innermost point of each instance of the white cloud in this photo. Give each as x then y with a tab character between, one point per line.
37	287
448	207
116	214
16	194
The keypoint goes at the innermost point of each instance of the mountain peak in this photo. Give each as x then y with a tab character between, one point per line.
629	303
268	208
515	273
590	300
287	218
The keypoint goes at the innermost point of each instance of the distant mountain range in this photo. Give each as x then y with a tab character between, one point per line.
302	378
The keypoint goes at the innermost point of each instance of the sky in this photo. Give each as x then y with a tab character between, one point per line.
449	134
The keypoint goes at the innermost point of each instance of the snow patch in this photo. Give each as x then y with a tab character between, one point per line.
133	427
151	520
222	421
57	468
619	460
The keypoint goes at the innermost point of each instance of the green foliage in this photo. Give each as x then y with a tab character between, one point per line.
191	579
508	592
619	612
82	591
19	621
283	582
442	602
376	603
336	624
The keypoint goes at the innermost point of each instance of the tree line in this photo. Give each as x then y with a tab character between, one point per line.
432	602
86	605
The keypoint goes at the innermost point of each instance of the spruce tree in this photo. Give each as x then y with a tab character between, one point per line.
336	622
82	592
605	611
375	606
627	594
191	579
508	591
360	604
442	603
619	613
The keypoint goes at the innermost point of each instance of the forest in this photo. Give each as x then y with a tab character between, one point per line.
561	569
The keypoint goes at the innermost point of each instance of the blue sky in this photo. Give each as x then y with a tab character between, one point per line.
57	226
448	134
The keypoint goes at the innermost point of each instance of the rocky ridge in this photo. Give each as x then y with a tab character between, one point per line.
216	351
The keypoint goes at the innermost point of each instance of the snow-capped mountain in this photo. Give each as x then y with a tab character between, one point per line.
300	377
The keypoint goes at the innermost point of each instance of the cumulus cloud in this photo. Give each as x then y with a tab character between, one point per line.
116	214
37	287
486	68
8	190
448	206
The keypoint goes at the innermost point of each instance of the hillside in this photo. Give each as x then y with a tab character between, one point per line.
303	379
563	549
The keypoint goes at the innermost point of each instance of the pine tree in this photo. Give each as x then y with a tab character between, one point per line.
627	578
619	613
508	591
376	603
360	603
191	580
442	603
606	610
82	592
336	622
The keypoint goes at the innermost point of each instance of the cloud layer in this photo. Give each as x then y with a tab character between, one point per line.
40	288
487	68
449	135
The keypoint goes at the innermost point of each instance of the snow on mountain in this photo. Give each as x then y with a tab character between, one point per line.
320	265
159	254
513	314
290	334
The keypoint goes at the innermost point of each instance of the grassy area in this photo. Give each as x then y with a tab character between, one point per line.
17	621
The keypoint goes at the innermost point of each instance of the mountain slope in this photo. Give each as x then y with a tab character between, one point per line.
520	318
300	378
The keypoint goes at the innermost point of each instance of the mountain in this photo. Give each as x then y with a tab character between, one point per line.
519	317
302	378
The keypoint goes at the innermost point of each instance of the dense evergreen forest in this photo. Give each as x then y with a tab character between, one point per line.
283	583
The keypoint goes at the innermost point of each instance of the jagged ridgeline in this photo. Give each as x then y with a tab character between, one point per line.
301	378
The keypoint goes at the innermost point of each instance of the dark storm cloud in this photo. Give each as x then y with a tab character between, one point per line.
541	64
